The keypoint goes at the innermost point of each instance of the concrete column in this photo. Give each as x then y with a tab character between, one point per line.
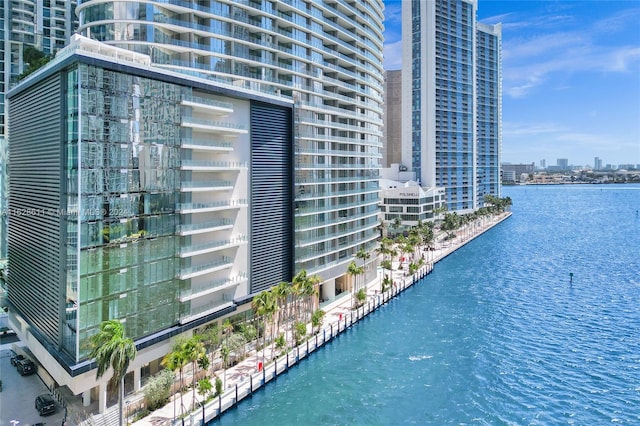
102	398
329	289
137	379
86	398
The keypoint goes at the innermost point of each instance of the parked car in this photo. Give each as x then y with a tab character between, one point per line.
25	367
45	404
15	358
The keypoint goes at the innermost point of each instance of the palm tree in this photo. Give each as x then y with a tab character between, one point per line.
282	292
193	350
224	353
110	348
296	297
415	238
397	223
176	361
401	242
354	270
311	288
363	255
264	305
386	249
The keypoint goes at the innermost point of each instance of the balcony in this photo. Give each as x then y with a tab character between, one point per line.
211	307
209	105
202	228
211	287
207	268
198	249
186	208
206	145
214	126
202	186
212	166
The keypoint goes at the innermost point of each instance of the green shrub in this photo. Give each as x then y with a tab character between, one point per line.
158	389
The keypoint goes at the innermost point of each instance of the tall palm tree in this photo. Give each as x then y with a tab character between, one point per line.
363	255
264	305
312	285
176	361
354	270
298	290
111	348
282	292
193	349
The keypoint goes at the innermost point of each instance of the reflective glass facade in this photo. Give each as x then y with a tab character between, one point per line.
142	212
122	189
325	55
453	89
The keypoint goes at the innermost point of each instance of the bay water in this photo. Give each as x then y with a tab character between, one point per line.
498	334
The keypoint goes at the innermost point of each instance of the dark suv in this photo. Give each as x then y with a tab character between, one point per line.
45	404
25	367
15	358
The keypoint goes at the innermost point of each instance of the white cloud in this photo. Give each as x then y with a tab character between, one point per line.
623	58
393	55
549	46
526	129
618	21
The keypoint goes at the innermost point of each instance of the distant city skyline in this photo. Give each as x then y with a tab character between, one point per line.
571	78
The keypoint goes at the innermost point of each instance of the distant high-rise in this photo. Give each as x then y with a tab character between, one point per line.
451	100
562	163
25	24
597	163
543	164
489	110
392	130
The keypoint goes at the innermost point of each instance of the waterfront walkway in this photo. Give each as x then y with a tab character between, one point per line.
246	377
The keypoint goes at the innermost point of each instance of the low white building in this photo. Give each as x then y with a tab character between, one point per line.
402	197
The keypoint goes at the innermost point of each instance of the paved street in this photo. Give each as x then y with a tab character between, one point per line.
17	399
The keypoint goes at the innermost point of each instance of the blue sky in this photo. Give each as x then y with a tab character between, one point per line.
571	77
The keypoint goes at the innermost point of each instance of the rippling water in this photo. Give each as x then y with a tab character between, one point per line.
497	334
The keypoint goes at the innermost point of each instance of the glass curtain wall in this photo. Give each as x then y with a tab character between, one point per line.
123	178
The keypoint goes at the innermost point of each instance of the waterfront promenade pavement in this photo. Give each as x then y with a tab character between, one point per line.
336	313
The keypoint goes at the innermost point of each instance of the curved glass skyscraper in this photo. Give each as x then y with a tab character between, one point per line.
325	55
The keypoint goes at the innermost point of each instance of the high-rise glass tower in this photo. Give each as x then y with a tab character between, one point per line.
200	152
447	104
488	110
141	196
326	55
43	25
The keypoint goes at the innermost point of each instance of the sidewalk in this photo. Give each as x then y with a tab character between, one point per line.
336	312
